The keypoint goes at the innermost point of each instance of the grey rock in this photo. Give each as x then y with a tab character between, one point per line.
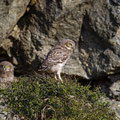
100	39
116	2
10	12
41	29
114	89
93	25
115	106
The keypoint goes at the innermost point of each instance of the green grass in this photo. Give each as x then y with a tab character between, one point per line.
37	98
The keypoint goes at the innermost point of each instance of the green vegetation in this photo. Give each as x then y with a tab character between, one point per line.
37	98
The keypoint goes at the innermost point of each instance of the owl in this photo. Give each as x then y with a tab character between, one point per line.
6	72
57	58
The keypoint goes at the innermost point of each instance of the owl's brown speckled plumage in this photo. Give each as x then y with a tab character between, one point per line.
6	72
58	56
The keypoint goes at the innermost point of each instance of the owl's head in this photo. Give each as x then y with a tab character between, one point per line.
69	44
6	66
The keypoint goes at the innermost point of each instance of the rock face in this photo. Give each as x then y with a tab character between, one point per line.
93	25
114	93
10	12
112	89
100	39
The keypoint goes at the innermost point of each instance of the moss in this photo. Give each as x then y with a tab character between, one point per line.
35	97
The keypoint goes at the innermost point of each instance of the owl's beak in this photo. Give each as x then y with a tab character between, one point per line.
4	69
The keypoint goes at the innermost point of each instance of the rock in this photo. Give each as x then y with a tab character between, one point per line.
114	89
44	26
100	39
115	106
46	23
10	12
116	2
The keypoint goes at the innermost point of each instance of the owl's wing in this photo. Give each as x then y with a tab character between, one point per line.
55	56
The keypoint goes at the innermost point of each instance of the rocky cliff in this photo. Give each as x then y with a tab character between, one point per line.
30	28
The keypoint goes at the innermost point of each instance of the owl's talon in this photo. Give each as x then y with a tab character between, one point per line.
62	81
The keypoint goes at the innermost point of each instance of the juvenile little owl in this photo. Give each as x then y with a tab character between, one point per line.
57	57
6	72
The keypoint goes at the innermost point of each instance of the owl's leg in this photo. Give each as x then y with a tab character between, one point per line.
55	75
59	76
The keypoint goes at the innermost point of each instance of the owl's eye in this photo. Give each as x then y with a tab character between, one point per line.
8	67
69	44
